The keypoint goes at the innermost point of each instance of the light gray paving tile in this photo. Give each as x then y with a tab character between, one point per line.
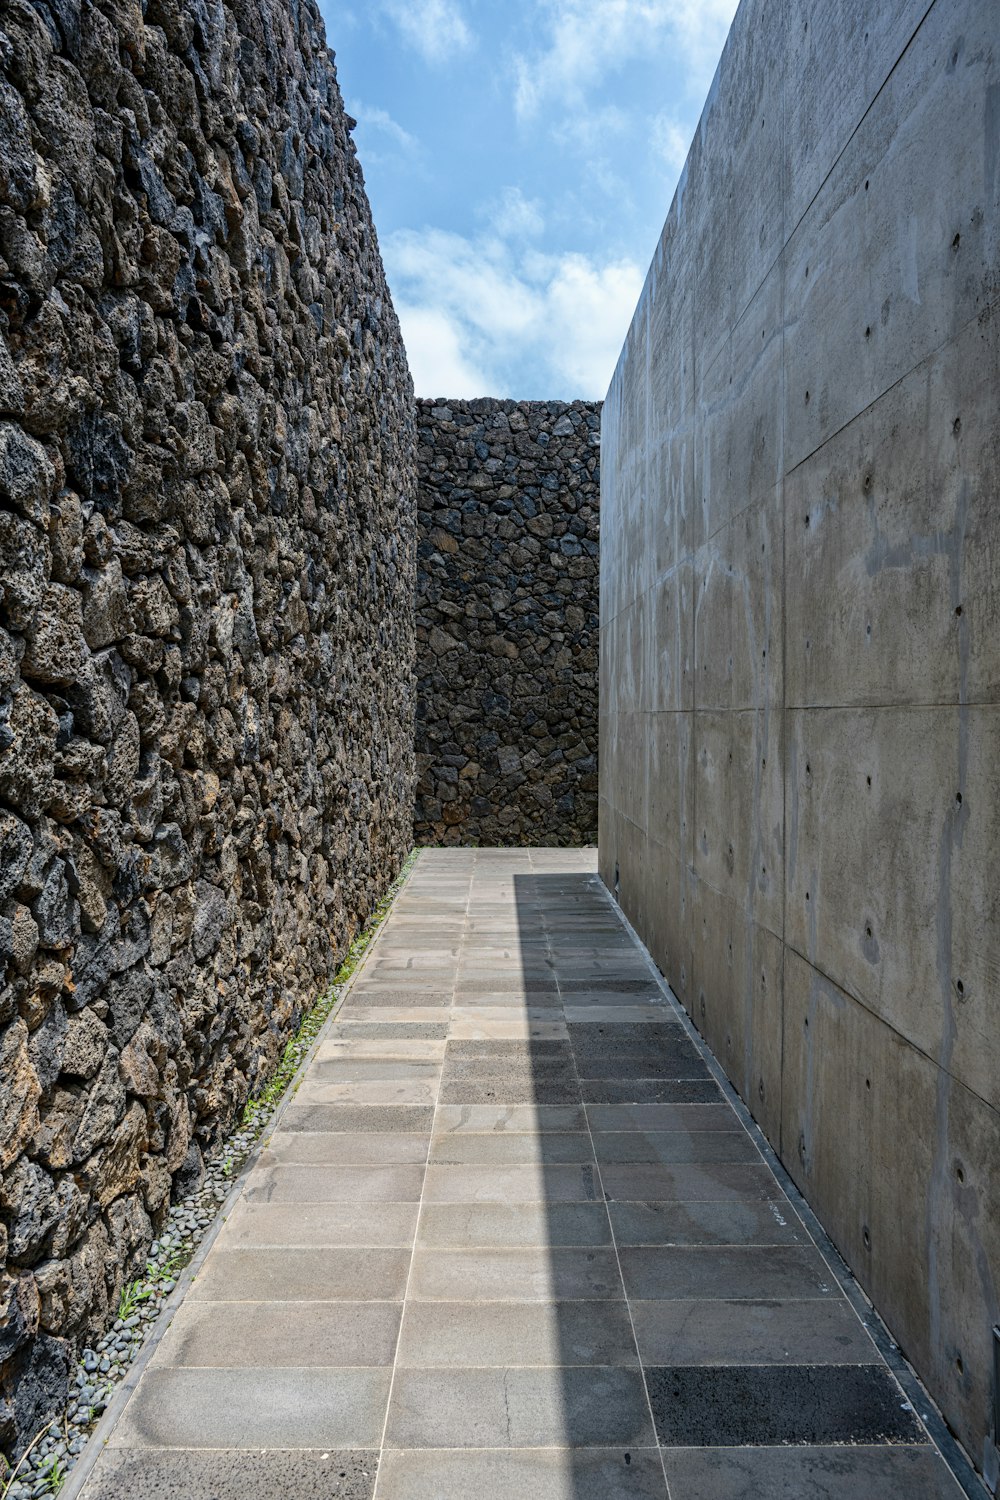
281	1275
552	1147
252	1335
517	1408
290	1183
514	1473
734	1222
547	1274
257	1226
344	1148
255	1409
516	1184
468	1225
470	1335
375	1091
378	1070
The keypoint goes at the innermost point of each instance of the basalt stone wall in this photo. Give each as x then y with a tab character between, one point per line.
800	636
207	536
507	648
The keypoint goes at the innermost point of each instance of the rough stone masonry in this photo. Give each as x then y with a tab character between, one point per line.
206	628
507	622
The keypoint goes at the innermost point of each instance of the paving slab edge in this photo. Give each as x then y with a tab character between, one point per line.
925	1409
98	1441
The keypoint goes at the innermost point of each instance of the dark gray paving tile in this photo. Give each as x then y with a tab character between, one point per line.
258	1225
686	1182
543	1274
673	1146
467	1225
510	1149
513	1473
513	1184
500	1048
583	984
315	1148
350	1275
506	1069
289	1183
732	1406
606	1118
701	1090
525	1090
809	1474
625	1036
233	1474
358	1117
255	1409
281	1334
517	1408
755	1271
706	1332
733	1222
618	1066
472	1335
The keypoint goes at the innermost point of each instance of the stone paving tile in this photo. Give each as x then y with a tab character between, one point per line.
234	1474
706	1332
487	1274
751	1271
255	1409
291	1183
257	1226
505	1118
273	1275
345	1149
517	1408
248	1335
513	1474
731	1406
498	1225
670	1147
351	1118
505	1150
768	1222
816	1473
473	1334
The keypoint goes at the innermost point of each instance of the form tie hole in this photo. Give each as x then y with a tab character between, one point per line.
958	798
868	1084
958	611
960	1172
960	987
869	780
956	242
868	932
866	1237
868	332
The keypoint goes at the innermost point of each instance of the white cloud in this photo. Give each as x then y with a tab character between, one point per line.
436	28
494	319
514	216
379	122
670	140
587	39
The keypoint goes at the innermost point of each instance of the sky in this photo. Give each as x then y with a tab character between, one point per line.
520	157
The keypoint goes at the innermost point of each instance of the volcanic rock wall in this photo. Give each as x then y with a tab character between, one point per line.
507	587
207	504
800	636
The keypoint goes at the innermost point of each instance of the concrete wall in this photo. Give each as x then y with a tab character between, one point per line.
507	614
800	659
207	547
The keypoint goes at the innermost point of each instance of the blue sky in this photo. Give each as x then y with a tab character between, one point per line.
520	156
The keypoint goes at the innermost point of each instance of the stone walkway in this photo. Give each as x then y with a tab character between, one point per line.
509	1239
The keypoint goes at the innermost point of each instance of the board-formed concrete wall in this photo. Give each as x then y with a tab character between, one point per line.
800	624
507	603
207	550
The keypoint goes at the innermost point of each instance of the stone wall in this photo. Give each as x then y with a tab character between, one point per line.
800	745
507	584
207	504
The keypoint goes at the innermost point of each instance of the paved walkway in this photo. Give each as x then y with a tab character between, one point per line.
509	1239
